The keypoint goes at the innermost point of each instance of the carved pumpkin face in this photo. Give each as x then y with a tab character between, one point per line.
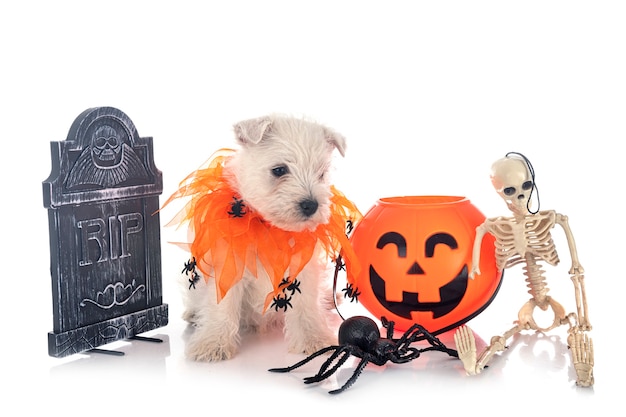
416	254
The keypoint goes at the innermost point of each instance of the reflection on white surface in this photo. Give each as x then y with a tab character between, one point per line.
535	371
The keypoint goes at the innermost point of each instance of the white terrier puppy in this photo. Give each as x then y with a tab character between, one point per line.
264	221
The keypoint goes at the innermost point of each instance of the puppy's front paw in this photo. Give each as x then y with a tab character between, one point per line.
211	349
189	316
311	344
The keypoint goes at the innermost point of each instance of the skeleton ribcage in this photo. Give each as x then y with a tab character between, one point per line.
515	240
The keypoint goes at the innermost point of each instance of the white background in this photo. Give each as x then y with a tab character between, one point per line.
428	95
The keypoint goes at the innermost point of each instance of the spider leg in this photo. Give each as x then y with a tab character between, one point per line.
306	360
413	334
338	358
407	355
442	348
438	344
389	325
417	332
355	375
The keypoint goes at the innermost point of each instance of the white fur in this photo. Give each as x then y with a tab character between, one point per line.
304	149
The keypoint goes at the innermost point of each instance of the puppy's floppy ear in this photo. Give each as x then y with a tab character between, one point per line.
252	130
336	139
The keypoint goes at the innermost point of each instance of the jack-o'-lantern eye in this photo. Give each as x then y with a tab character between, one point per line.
439	239
395	239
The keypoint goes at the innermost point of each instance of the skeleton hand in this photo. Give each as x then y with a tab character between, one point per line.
466	347
582	356
475	271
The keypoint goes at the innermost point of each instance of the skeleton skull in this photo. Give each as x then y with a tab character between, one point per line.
513	181
106	147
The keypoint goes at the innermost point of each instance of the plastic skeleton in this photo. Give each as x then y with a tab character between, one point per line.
525	239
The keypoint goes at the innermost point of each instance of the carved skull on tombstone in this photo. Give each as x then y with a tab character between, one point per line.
106	147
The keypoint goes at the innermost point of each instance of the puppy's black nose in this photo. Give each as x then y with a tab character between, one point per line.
308	207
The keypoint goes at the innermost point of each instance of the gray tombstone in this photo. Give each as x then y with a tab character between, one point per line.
102	198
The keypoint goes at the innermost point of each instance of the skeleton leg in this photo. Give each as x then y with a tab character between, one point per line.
466	347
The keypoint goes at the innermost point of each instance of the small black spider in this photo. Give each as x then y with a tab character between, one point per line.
340	265
238	208
195	277
351	292
359	336
293	287
190	268
349	226
279	302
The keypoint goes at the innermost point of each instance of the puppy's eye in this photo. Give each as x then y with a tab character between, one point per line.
279	171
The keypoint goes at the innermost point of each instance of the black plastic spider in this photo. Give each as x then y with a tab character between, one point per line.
238	208
359	336
340	264
279	302
349	226
293	287
351	292
190	268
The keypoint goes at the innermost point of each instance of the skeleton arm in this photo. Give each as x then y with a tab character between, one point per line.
576	273
481	231
576	268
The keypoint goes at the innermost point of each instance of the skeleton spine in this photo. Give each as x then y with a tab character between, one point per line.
536	281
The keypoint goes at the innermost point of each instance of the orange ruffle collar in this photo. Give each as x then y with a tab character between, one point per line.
228	237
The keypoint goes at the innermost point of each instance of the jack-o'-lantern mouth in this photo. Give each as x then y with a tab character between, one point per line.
451	295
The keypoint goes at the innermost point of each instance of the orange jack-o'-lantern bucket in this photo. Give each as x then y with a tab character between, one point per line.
415	254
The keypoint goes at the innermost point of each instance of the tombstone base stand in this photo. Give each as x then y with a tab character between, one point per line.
147	339
106	352
124	327
118	353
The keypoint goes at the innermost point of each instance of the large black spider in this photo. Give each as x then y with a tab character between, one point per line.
359	336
